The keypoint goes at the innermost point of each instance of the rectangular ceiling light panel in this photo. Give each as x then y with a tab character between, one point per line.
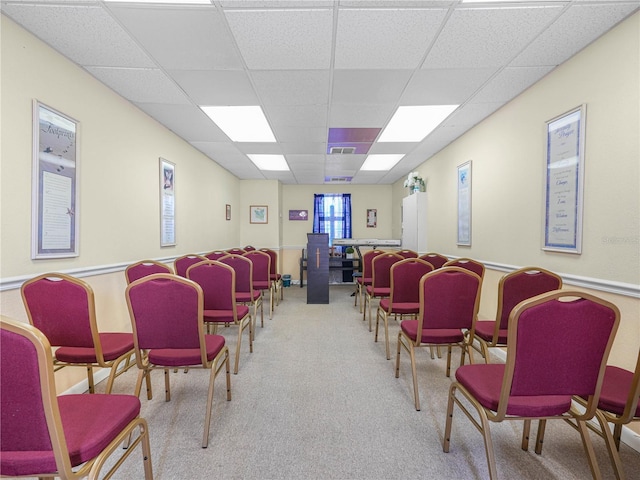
381	162
269	162
241	123
414	123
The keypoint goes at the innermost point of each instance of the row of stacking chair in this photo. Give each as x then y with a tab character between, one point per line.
540	379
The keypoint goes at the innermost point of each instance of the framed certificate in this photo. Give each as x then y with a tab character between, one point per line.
55	202
564	185
167	203
464	204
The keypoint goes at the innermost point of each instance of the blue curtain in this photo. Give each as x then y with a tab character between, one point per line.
332	215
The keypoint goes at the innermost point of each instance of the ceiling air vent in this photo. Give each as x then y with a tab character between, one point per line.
342	150
337	179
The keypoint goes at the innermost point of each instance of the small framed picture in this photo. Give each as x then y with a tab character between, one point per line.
372	217
259	214
228	212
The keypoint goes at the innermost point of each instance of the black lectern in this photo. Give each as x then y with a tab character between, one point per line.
317	268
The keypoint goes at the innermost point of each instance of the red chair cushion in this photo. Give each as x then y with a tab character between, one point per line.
615	390
484	330
403	308
113	346
484	382
90	423
225	316
432	335
182	357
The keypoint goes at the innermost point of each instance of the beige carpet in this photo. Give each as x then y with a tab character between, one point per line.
318	400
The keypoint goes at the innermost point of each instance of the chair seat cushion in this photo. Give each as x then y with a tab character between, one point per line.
434	336
113	346
90	423
364	280
400	307
246	297
184	357
225	316
275	276
262	285
484	330
484	382
378	292
615	390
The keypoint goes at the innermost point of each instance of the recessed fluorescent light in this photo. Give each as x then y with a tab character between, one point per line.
181	2
269	162
413	123
381	162
241	124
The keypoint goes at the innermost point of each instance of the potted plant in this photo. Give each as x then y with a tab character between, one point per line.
415	183
349	252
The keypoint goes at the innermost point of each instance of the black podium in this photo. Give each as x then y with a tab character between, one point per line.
317	268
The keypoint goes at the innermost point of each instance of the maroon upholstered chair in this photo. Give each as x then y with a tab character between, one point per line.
182	264
434	259
365	279
63	308
558	344
449	302
513	288
262	275
67	436
404	297
249	248
218	283
216	254
276	278
407	253
168	327
143	268
246	293
235	251
380	280
467	263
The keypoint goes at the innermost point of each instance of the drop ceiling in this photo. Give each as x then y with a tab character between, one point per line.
318	65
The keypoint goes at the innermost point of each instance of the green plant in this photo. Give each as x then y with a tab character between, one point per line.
349	250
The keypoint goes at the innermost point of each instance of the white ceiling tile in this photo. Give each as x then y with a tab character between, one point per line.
306	87
471	113
187	121
259	147
87	35
487	37
369	86
358	45
140	85
444	86
392	147
301	134
510	82
300	147
576	28
360	116
181	38
297	115
283	39
216	87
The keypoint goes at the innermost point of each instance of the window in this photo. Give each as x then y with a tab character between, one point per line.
332	215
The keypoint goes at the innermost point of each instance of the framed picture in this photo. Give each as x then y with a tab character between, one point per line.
55	201
167	203
298	214
372	217
464	204
259	214
228	211
564	182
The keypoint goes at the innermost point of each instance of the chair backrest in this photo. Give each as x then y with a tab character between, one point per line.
407	253
32	437
449	299
405	280
182	264
521	284
244	271
381	269
261	265
367	258
435	259
274	259
218	283
467	263
166	312
216	254
249	248
558	344
236	251
63	308
143	268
